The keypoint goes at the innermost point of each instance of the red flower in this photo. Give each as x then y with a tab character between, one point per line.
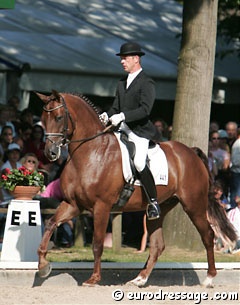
4	177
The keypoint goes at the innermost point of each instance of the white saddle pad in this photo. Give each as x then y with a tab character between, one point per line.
157	163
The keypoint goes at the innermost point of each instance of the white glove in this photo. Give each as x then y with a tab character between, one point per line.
117	118
104	118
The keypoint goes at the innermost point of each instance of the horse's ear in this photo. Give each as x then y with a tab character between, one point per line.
56	94
41	96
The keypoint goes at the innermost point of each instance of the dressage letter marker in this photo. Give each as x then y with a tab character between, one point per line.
23	233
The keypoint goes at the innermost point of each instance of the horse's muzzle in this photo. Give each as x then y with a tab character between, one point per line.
53	152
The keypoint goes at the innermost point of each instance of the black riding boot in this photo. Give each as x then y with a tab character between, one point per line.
147	180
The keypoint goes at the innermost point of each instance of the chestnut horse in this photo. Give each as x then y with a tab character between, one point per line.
92	180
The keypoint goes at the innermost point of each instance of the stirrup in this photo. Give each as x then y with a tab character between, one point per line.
153	210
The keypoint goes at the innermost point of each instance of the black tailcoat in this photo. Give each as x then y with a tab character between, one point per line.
136	103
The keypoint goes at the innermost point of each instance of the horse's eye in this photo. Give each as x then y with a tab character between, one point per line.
58	118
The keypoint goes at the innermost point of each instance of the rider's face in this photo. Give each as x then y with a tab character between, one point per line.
130	63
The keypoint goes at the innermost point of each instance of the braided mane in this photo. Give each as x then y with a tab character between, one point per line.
88	101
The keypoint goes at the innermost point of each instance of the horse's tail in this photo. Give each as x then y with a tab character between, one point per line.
216	214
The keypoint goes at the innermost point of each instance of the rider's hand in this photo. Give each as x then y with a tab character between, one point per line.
117	118
104	118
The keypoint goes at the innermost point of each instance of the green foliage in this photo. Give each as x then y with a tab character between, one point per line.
21	176
229	25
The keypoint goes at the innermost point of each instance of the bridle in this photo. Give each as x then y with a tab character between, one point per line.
63	134
56	145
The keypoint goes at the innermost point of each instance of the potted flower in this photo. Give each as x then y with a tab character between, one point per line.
28	181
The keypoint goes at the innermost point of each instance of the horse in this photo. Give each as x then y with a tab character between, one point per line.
92	179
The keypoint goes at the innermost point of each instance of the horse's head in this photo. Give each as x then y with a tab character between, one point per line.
55	118
68	118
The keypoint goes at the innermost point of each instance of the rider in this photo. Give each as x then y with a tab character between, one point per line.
131	109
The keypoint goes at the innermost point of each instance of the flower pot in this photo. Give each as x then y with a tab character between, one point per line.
25	192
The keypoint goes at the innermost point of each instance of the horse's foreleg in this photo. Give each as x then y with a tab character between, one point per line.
43	265
156	248
101	218
64	213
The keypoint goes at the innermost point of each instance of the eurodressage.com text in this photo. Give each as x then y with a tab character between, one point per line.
196	297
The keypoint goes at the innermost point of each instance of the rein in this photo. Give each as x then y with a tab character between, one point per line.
107	129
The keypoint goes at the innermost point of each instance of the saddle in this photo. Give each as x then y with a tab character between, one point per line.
128	188
159	169
131	150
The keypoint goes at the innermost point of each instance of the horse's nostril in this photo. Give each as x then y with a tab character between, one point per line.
53	152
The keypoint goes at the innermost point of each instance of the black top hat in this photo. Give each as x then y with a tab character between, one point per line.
130	48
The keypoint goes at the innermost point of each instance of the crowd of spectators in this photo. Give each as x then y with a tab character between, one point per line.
22	141
224	163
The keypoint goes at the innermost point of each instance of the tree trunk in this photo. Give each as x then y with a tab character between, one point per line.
193	99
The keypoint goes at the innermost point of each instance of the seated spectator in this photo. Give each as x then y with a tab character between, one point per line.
13	118
224	245
26	116
162	129
235	171
223	138
220	197
5	117
222	158
214	126
24	134
36	145
6	138
13	156
12	162
234	217
14	102
231	129
212	163
30	161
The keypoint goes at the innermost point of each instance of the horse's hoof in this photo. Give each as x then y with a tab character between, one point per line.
208	282
86	284
92	281
138	281
45	271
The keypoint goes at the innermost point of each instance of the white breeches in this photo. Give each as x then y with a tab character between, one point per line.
141	147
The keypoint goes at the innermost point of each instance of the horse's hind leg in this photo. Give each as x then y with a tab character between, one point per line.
157	246
64	212
207	235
